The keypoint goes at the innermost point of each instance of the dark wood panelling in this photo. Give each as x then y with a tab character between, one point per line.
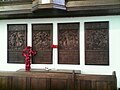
58	84
3	83
38	84
68	42
84	85
41	42
19	83
17	41
97	43
95	82
100	85
56	81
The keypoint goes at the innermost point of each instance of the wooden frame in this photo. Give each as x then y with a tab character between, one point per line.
41	42
16	42
68	43
97	43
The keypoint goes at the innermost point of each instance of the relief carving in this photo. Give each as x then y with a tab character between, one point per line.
16	40
68	39
97	43
96	40
42	40
68	42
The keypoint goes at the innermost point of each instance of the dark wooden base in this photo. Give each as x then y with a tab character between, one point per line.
56	81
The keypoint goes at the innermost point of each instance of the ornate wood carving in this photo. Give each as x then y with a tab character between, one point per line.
68	42
41	42
17	41
97	43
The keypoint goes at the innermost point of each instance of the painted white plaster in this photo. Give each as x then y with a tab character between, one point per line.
114	45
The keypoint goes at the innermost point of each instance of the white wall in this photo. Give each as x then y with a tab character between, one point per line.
114	36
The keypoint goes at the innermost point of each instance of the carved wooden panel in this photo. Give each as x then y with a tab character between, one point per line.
17	41
41	42
68	42
97	43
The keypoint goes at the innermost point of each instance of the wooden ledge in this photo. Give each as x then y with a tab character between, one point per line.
52	71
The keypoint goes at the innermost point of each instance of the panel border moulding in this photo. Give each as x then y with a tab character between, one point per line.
97	43
16	42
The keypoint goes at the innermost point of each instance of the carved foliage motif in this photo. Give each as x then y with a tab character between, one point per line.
97	40
68	40
97	43
16	42
42	41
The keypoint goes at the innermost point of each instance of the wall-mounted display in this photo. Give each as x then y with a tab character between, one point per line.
41	43
68	43
17	41
97	43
